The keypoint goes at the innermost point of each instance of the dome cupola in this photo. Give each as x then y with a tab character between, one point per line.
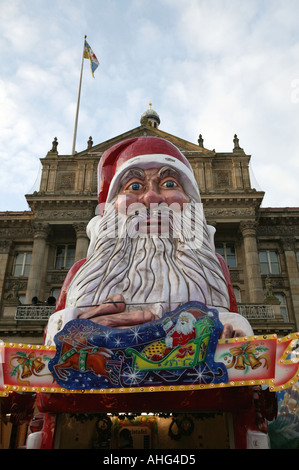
150	117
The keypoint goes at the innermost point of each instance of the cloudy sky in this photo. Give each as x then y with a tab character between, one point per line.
210	67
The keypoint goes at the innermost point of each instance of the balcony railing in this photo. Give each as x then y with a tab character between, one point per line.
34	312
43	312
257	311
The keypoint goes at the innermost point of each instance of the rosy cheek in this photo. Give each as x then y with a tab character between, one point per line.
177	197
123	201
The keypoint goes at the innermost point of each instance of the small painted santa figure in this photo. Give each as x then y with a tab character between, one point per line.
183	332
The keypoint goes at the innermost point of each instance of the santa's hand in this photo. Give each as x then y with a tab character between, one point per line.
112	313
229	332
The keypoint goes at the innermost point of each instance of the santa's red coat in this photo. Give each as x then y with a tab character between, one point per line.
179	339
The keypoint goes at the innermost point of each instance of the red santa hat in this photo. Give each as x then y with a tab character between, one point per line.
142	152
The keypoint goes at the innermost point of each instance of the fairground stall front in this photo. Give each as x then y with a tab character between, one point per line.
108	388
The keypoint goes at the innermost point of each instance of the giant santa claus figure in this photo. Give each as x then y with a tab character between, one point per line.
151	249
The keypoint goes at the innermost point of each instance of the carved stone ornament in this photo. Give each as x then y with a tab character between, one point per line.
79	226
16	233
229	212
13	281
272	229
41	230
89	143
65	180
270	297
289	243
248	227
54	146
222	179
235	276
57	277
200	140
65	214
237	147
5	246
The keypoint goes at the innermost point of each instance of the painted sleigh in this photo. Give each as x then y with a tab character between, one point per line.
90	356
157	356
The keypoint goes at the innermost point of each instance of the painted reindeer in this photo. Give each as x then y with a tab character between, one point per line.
78	354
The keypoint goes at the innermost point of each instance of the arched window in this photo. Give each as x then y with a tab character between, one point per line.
283	305
237	293
55	292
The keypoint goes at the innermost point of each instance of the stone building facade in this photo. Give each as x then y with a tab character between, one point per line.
38	246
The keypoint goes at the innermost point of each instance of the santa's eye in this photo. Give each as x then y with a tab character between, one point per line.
135	186
169	184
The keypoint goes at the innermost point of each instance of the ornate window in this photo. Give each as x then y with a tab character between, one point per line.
55	292
227	251
65	256
22	264
269	262
237	293
283	305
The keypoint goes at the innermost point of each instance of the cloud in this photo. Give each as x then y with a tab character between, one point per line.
17	27
238	74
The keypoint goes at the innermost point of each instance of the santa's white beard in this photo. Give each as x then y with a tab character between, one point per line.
184	328
152	272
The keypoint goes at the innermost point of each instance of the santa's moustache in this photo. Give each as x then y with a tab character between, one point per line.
156	271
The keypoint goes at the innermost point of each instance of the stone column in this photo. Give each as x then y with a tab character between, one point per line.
88	177
44	178
209	175
255	292
82	241
52	178
200	175
237	175
5	246
80	177
289	249
245	175
38	261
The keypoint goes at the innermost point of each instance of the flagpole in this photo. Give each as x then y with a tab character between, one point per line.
78	102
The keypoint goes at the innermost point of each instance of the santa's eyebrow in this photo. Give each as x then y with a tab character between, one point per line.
132	173
168	171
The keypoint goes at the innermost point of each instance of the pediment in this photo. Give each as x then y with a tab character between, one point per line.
141	131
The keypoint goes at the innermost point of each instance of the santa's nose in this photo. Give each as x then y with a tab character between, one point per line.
151	197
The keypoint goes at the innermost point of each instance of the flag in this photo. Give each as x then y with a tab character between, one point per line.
89	54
